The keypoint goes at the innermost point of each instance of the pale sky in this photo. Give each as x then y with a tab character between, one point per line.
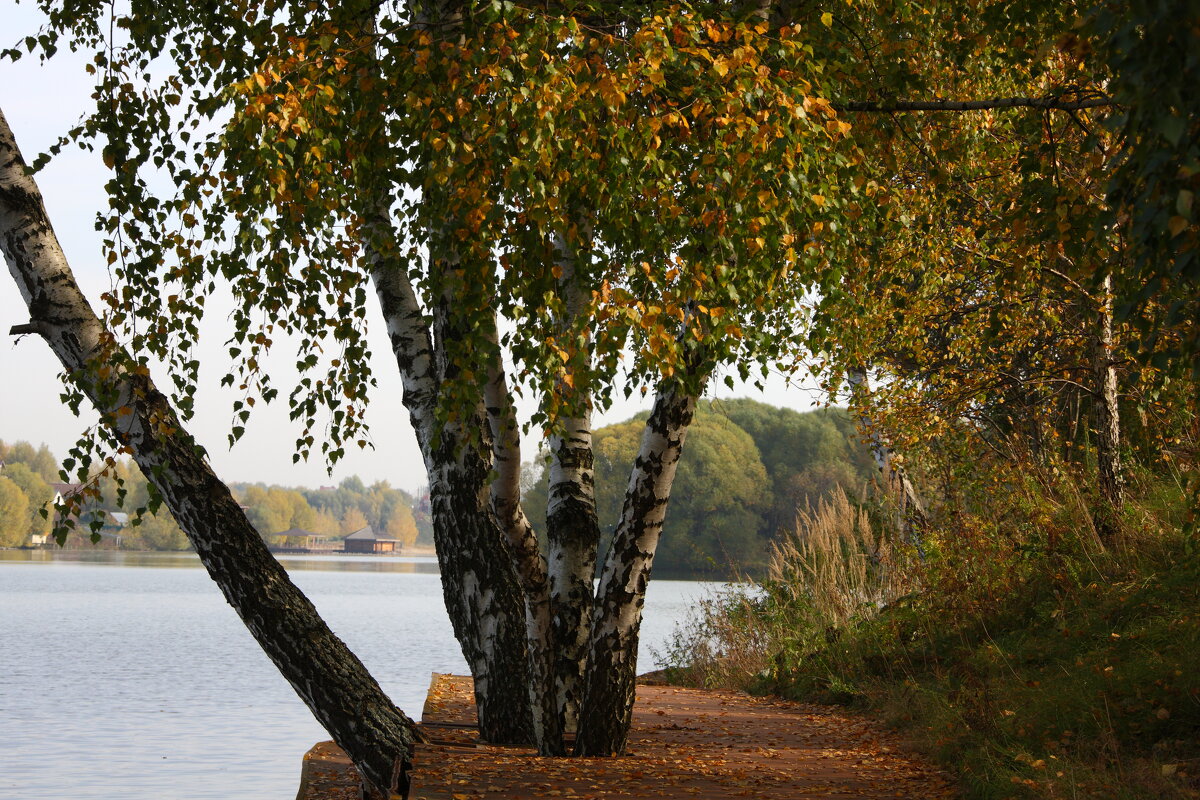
41	103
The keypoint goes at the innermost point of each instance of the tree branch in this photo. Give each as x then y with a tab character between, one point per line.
24	328
1055	103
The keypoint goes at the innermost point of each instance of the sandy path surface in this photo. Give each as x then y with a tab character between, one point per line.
686	743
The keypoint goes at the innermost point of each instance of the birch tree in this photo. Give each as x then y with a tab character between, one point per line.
140	420
630	192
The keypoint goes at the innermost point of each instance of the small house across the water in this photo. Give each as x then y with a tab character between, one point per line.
367	541
298	540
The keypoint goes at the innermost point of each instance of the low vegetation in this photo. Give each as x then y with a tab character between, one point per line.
1032	658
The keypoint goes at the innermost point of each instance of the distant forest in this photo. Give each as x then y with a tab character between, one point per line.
747	467
336	511
29	480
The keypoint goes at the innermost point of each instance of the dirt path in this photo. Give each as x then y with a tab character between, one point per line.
685	743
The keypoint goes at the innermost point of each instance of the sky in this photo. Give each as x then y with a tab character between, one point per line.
41	102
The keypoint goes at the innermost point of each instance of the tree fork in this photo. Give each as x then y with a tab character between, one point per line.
1052	103
611	676
327	676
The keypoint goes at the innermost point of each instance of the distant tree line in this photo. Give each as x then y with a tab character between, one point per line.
24	487
29	480
335	512
747	468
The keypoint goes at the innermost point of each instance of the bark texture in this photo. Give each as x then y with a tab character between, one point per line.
573	536
483	598
910	511
572	530
528	560
1108	419
609	682
330	679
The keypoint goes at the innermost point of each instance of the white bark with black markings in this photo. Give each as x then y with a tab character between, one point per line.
483	599
609	682
331	681
573	531
528	560
573	536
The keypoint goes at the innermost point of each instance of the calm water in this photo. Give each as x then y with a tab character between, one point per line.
127	676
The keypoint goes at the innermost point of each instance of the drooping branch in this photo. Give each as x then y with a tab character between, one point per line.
327	676
1051	103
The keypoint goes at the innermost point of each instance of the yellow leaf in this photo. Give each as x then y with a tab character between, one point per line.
827	19
1177	225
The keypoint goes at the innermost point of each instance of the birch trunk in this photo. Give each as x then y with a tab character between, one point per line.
573	536
482	596
528	561
1108	420
573	532
910	512
609	682
330	680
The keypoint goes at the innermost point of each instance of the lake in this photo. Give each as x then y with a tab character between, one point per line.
126	675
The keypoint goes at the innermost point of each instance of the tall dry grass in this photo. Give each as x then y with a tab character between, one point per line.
832	567
836	562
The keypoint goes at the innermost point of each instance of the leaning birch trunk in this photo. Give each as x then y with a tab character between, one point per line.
528	561
572	529
1108	419
910	511
610	679
330	679
481	593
